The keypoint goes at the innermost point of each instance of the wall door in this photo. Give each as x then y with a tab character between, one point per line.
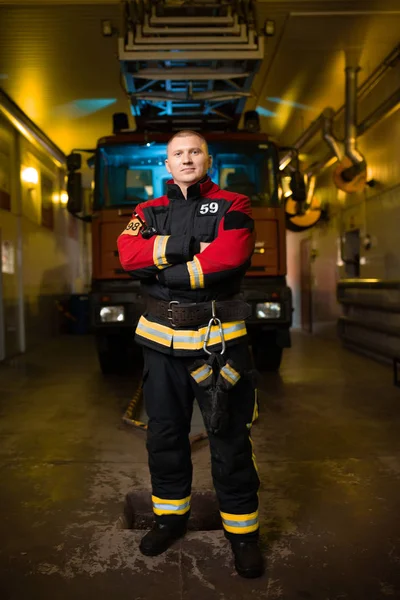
351	253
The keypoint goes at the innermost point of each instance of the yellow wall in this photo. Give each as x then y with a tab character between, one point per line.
53	259
375	211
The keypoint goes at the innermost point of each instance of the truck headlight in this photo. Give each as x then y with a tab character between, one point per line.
112	314
268	310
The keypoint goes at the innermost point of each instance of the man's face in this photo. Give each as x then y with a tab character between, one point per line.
188	159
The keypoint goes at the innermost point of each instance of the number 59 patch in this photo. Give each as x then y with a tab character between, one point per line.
209	208
133	227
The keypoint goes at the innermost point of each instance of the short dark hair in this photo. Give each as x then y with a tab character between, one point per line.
187	133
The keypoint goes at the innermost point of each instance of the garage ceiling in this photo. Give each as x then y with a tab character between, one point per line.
59	69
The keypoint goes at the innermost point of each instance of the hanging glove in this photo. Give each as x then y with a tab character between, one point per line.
216	378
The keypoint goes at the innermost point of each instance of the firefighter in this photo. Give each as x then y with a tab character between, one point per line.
190	249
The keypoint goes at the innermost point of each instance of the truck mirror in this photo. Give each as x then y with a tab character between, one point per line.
120	122
74	161
74	190
298	187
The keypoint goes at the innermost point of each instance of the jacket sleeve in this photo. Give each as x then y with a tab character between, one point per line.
227	254
143	258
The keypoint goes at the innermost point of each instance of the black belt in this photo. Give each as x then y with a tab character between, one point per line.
192	315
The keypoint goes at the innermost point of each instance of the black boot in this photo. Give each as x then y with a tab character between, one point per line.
249	561
160	537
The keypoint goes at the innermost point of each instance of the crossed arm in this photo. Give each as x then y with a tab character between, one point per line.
179	262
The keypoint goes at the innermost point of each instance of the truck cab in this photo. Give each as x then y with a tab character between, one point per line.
129	168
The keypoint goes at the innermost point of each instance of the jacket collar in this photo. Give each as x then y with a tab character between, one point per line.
195	191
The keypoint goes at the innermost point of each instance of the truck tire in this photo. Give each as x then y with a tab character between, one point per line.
267	355
116	354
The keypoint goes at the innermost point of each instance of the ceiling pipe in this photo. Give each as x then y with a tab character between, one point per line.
384	110
325	123
350	142
388	63
309	133
388	106
322	123
315	167
327	132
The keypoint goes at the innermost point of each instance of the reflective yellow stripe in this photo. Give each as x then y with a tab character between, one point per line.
163	258
194	340
197	344
154	332
191	275
160	246
230	374
170	507
225	375
203	377
200	271
158	511
195	273
202	373
246	517
199	370
241	530
172	502
188	339
240	523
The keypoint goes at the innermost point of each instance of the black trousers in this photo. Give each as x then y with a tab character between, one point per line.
169	392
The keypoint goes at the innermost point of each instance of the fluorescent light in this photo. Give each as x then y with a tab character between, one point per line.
287	191
285	163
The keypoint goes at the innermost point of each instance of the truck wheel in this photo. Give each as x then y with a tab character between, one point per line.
108	353
115	354
267	354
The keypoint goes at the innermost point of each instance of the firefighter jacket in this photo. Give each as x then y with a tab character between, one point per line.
161	247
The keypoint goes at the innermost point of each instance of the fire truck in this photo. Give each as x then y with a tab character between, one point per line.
185	65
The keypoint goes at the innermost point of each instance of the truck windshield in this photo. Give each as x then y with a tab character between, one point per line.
132	173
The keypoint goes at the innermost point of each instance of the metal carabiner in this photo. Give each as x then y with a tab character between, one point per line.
206	339
214	311
214	321
221	333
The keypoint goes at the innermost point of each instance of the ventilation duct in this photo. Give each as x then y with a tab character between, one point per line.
327	132
358	163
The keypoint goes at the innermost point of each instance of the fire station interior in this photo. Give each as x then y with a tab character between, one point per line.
299	101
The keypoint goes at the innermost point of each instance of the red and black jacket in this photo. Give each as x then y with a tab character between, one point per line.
169	263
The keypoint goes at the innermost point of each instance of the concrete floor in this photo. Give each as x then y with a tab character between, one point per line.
328	450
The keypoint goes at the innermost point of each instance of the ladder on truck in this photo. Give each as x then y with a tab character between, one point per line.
189	65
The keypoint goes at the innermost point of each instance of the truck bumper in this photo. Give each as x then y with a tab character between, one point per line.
117	311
